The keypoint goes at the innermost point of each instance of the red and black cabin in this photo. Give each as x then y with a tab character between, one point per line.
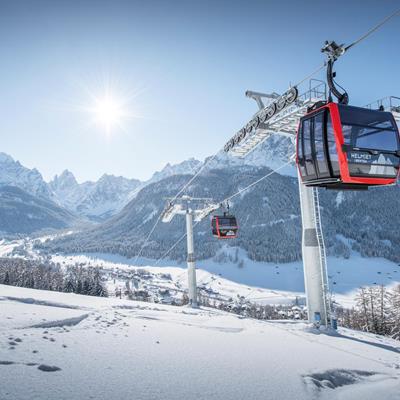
224	226
346	147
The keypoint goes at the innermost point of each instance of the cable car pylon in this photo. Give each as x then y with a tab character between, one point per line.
194	208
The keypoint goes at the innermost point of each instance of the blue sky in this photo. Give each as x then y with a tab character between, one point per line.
181	66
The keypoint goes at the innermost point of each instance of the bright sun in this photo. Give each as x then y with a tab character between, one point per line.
108	113
111	106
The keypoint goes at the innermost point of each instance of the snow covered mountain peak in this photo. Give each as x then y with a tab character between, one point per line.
5	158
13	173
63	181
188	166
272	153
96	200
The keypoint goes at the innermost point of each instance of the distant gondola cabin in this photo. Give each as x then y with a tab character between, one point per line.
224	226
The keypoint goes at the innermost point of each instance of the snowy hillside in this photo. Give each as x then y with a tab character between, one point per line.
66	346
22	213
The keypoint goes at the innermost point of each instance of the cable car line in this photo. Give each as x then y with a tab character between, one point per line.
195	175
355	43
257	181
375	28
174	245
148	237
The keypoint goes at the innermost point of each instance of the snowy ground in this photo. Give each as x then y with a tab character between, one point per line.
65	346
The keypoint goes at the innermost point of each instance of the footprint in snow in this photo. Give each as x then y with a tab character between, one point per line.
48	368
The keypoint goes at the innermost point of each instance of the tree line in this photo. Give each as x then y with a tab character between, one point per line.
49	276
377	310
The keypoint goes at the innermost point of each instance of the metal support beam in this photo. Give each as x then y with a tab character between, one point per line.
258	96
313	265
192	283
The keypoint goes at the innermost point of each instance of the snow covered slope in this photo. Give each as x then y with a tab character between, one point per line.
23	213
65	346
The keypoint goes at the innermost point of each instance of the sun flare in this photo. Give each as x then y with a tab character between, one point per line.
108	112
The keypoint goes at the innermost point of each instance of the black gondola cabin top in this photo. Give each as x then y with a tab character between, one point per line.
347	147
224	226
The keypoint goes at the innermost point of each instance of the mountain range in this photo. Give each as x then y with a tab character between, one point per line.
93	201
97	201
125	210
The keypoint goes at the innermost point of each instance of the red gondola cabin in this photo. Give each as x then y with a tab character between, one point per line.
224	226
345	147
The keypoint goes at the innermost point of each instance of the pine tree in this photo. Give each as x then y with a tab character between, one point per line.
362	306
68	285
98	288
6	280
383	310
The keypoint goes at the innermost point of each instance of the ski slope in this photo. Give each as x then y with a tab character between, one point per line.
65	346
